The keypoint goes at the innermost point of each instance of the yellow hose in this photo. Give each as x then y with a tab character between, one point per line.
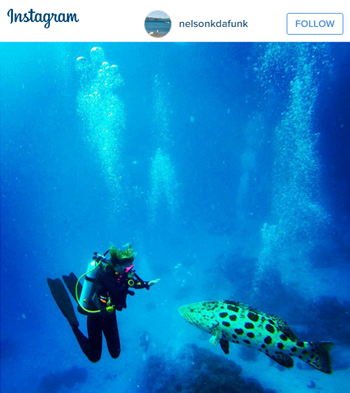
76	290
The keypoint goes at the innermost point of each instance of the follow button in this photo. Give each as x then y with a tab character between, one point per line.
315	24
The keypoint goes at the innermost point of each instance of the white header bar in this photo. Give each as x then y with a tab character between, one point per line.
190	20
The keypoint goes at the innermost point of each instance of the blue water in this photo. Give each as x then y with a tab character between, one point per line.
161	26
226	165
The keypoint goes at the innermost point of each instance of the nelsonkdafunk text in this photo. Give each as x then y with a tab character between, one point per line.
213	23
32	16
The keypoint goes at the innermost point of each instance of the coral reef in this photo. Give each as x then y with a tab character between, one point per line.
197	370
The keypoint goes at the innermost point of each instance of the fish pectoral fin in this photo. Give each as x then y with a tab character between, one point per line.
283	360
224	346
216	336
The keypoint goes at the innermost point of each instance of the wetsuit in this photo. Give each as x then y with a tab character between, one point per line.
113	288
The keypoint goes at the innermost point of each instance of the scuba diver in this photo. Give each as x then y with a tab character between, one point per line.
106	286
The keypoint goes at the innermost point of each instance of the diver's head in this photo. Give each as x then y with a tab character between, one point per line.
123	258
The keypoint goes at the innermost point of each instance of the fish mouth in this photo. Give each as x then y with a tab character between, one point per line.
193	316
184	312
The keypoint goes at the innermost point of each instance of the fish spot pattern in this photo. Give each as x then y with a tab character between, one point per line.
268	340
253	317
249	325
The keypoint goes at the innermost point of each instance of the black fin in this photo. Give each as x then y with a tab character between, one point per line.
283	360
62	300
224	346
71	282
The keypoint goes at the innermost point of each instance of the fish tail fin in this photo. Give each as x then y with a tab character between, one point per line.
319	356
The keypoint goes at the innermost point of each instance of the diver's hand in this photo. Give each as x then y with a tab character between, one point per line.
152	282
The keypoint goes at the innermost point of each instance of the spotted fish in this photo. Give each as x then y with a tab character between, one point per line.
232	321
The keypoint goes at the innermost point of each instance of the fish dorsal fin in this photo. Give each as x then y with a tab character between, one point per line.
243	306
283	327
283	360
234	303
216	335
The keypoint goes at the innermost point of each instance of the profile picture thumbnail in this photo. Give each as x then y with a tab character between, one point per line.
157	24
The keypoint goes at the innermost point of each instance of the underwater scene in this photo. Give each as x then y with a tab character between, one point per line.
175	217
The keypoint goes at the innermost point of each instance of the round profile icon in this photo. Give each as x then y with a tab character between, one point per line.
157	24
